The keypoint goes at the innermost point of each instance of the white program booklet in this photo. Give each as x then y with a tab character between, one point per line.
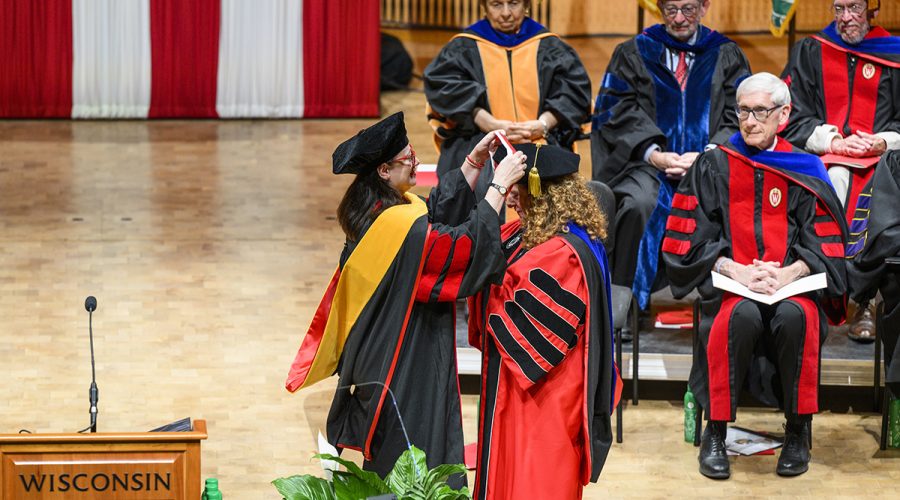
745	442
802	285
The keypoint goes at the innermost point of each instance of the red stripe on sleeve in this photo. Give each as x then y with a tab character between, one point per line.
184	47
438	246
833	249
681	224
36	61
684	202
462	251
676	247
829	228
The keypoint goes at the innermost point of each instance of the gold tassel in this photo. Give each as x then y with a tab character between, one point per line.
534	178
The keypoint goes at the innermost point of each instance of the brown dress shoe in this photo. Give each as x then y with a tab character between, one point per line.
862	325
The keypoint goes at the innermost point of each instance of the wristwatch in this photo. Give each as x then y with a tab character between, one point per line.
502	189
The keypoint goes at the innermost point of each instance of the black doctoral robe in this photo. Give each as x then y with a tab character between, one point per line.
400	332
846	86
640	103
541	73
875	236
728	206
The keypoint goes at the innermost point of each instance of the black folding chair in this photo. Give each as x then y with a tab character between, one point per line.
624	304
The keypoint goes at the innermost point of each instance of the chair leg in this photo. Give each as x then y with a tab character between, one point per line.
635	350
879	319
698	425
809	427
621	400
885	411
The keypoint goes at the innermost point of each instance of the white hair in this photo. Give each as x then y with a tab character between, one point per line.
768	83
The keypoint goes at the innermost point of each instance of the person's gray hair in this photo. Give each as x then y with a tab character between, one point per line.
766	82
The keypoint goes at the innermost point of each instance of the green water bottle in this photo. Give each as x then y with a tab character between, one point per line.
211	492
690	416
894	424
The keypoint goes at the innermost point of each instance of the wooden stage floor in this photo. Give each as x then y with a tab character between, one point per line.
207	245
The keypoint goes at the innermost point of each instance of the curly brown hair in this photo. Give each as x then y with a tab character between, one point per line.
563	200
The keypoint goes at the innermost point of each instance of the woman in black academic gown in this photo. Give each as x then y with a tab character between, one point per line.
505	72
387	318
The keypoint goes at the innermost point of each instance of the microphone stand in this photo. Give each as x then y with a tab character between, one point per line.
94	392
396	408
90	304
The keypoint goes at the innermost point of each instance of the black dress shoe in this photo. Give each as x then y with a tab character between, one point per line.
794	458
713	458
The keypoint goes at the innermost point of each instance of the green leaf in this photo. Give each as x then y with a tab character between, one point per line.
410	469
350	487
445	492
436	486
441	473
305	487
370	478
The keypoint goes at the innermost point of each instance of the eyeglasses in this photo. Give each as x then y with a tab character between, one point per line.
761	114
855	9
410	159
689	11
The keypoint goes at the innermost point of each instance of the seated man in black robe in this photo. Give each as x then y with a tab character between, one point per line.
845	86
668	95
764	215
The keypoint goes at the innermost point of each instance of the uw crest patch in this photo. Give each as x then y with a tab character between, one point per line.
775	197
868	71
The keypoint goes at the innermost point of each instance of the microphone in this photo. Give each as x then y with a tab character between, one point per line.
90	305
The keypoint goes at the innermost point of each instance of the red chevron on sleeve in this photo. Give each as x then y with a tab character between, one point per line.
684	202
675	247
681	224
438	246
462	252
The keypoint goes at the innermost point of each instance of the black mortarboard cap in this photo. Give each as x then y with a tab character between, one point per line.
552	162
371	146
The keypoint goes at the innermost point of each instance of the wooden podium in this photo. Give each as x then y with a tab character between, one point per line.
139	465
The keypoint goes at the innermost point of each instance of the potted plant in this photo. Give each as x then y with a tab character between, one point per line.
409	479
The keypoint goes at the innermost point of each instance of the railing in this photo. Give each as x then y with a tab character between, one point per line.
613	17
445	14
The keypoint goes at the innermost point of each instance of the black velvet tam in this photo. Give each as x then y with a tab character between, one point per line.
371	146
552	161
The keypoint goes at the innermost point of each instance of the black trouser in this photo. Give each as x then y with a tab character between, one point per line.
782	327
635	200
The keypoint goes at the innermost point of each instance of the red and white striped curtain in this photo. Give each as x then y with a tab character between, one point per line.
189	58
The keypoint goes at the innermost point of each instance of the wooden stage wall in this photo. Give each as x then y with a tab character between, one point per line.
616	17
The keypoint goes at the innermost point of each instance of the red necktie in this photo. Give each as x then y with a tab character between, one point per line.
681	70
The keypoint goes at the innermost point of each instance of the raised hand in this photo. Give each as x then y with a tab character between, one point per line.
510	170
485	148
